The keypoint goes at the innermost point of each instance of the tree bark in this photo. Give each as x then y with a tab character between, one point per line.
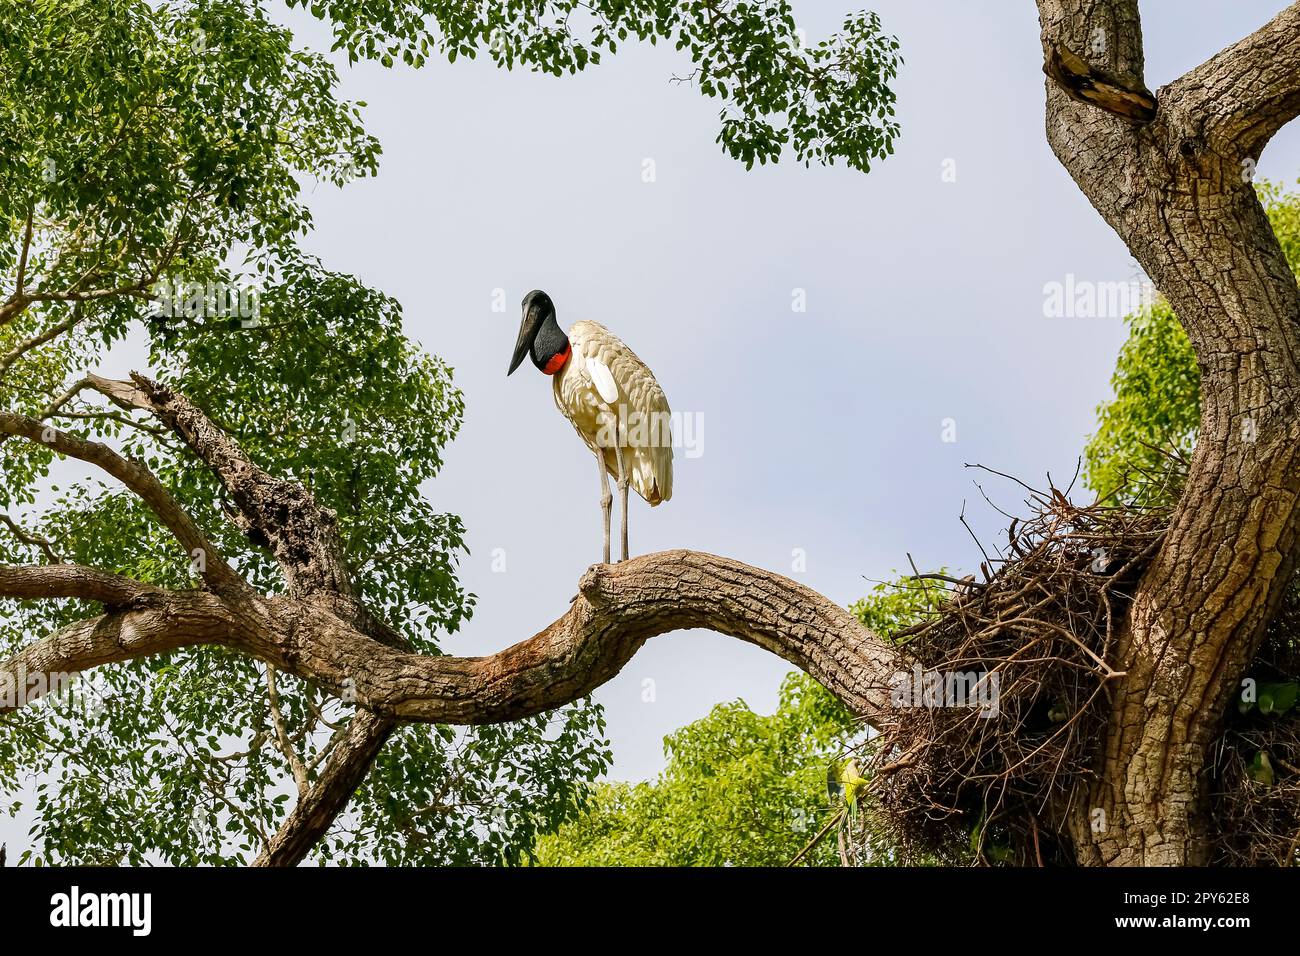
1177	190
617	609
356	748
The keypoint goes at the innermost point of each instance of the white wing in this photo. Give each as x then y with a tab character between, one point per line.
603	379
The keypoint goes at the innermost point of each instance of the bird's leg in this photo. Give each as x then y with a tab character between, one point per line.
622	491
606	499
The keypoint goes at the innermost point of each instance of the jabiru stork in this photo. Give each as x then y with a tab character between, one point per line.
611	398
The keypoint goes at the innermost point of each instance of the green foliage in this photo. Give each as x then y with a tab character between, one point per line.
1150	424
478	797
1283	210
1147	431
143	142
740	789
893	605
147	127
828	101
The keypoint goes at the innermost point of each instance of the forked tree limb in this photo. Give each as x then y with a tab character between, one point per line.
1237	100
619	607
1177	190
139	479
1244	94
273	512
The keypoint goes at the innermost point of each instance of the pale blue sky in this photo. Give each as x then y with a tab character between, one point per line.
822	430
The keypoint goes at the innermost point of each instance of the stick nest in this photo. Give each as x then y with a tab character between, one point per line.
1035	640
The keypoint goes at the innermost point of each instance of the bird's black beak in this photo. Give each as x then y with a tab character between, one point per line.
527	332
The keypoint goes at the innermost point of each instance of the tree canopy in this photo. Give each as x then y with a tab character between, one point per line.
152	184
827	100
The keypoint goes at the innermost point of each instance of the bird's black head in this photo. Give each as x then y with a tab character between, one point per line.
540	336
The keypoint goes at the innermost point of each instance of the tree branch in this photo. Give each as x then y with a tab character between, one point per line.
21	283
618	608
163	621
273	512
36	341
355	749
138	290
16	303
72	581
282	741
33	540
321	633
1249	91
139	479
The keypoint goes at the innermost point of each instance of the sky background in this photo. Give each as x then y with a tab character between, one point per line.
823	431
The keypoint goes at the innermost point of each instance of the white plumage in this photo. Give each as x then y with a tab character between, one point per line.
611	398
606	391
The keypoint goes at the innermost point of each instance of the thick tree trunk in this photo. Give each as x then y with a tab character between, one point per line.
1177	189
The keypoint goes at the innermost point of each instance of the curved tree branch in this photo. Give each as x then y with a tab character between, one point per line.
618	608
